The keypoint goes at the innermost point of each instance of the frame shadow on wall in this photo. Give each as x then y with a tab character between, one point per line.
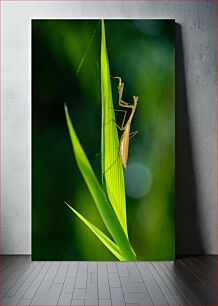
188	236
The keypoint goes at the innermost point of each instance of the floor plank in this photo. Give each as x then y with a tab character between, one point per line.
195	290
187	281
65	299
16	278
203	270
30	293
210	261
48	298
172	283
29	275
165	287
14	300
182	280
154	290
196	283
103	282
117	296
16	264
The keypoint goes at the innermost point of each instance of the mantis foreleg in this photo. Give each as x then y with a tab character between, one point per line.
124	118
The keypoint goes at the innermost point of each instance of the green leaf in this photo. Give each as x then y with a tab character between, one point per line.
103	238
112	170
103	205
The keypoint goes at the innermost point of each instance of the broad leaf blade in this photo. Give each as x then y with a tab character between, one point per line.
101	236
112	170
105	209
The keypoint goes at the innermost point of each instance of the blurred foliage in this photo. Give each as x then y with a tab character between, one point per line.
142	53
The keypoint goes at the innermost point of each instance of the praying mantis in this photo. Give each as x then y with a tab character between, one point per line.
124	140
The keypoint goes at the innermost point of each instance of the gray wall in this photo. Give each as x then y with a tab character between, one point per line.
196	112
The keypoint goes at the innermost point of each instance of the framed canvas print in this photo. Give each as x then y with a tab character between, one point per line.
103	140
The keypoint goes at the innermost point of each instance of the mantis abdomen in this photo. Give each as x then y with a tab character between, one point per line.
124	145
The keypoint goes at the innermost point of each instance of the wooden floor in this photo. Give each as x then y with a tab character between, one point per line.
188	281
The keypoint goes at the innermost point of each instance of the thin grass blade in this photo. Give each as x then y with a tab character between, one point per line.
101	236
112	170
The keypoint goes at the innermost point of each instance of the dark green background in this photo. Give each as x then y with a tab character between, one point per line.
142	53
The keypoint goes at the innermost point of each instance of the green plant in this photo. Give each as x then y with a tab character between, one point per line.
110	197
